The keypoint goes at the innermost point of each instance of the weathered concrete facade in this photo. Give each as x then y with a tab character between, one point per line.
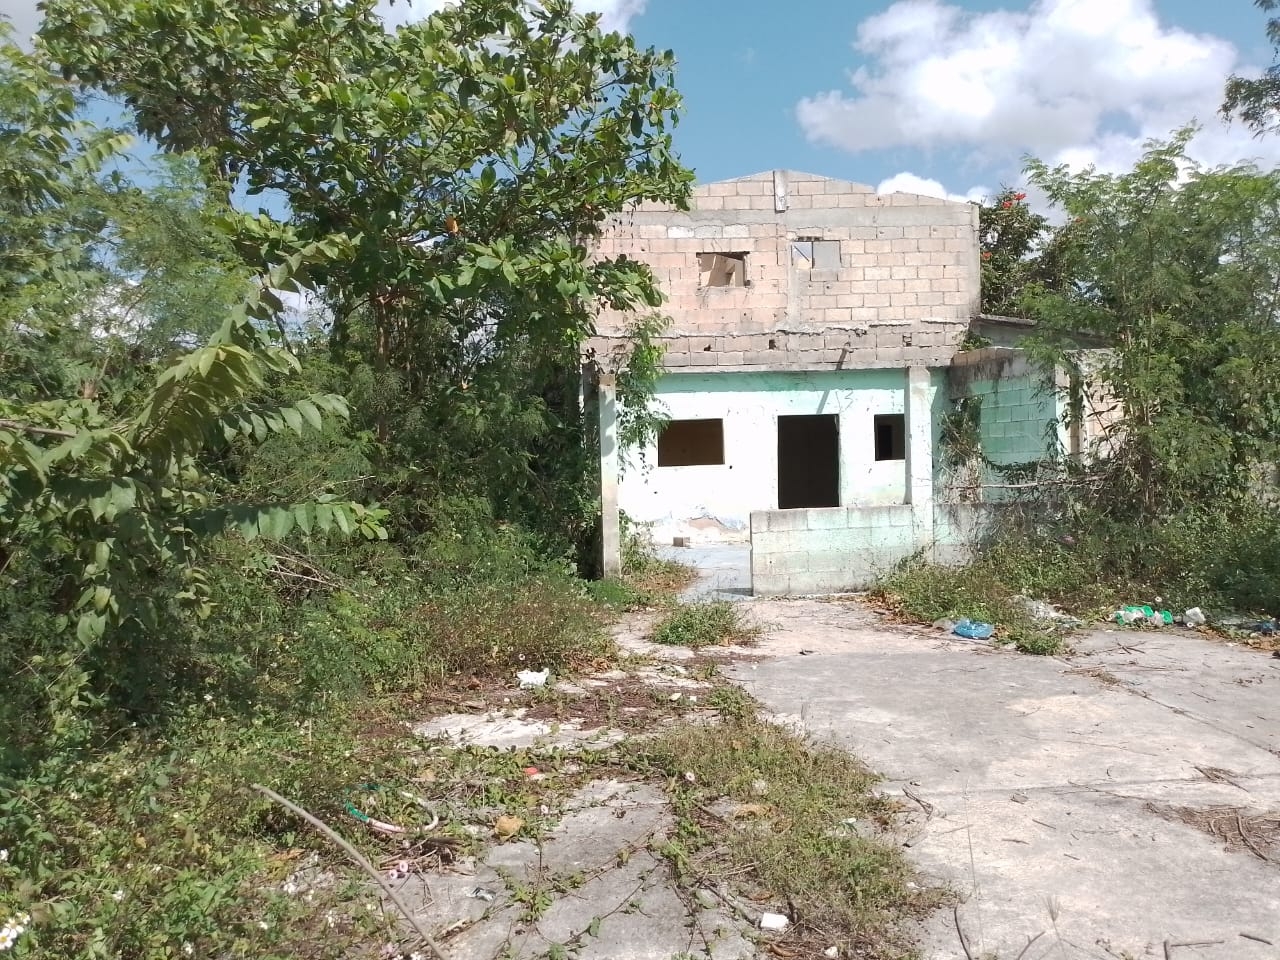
825	274
813	325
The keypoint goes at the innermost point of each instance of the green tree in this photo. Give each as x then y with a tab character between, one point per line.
1009	234
1256	100
465	161
107	438
1177	268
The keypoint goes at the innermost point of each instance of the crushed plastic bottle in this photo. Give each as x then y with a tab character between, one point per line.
1194	617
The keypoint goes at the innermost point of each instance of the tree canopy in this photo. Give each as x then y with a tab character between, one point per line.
1176	268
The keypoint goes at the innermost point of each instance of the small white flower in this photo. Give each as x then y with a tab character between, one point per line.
330	919
208	698
263	925
188	949
118	896
416	955
4	856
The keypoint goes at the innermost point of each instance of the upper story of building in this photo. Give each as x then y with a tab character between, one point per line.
793	253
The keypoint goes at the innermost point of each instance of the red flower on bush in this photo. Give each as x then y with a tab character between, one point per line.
1007	204
986	254
1019	196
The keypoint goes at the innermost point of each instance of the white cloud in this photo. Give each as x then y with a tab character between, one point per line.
906	182
616	14
1070	81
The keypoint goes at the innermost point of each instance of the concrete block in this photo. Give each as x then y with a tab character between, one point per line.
828	518
785	521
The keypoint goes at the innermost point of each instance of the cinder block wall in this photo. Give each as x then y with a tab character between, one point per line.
796	552
904	290
828	550
1021	415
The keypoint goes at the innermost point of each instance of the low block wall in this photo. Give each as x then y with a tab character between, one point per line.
827	550
836	549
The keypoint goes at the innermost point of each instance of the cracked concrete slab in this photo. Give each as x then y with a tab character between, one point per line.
1035	783
594	886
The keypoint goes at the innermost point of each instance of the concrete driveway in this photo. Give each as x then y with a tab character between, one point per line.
1122	802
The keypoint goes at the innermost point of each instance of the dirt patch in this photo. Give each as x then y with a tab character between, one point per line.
1101	674
625	706
1238	828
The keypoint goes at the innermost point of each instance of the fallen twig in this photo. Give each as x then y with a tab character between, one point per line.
925	805
964	943
1257	939
1023	952
361	862
1249	842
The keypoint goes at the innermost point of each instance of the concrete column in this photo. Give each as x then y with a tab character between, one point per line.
919	423
610	527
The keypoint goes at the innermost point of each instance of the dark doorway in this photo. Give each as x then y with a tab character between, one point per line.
808	462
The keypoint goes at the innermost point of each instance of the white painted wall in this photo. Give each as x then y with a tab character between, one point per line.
715	502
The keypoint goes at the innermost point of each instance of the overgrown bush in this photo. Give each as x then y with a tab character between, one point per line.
1223	562
155	848
126	819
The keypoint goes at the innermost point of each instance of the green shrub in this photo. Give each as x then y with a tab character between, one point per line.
929	592
154	848
702	624
1214	559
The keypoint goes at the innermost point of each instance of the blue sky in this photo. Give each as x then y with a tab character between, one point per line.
955	93
935	96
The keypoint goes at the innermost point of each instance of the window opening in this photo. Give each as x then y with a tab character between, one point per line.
690	443
891	436
812	253
722	270
808	461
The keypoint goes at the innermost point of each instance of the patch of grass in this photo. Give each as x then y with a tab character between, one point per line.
807	842
928	592
155	848
703	624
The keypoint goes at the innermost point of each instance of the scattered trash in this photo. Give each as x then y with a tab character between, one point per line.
674	697
1194	617
1133	614
945	625
973	630
831	953
507	827
533	678
399	872
773	921
531	771
482	893
1039	610
1264	627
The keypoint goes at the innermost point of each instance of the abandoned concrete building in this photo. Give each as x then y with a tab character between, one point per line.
813	357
